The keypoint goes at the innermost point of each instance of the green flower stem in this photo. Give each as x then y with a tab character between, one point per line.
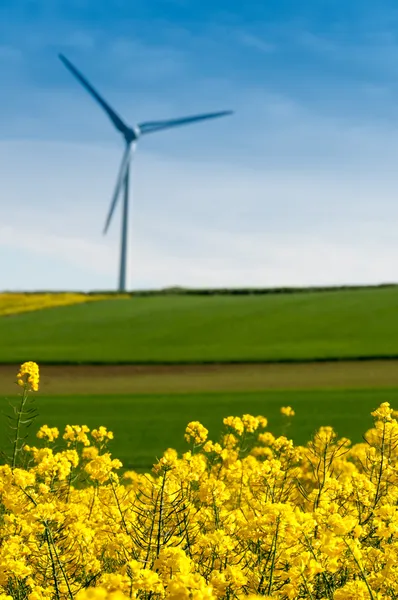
19	416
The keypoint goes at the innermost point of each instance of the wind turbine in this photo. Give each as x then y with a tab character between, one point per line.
131	136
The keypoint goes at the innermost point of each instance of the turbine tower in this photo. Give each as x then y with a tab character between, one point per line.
131	136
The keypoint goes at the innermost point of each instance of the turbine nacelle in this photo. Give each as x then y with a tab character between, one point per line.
132	134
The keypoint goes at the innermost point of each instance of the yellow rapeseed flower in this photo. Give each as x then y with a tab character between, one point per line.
383	412
28	375
102	434
49	433
196	432
235	423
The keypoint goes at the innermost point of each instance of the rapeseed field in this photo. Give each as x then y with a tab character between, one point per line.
14	303
250	515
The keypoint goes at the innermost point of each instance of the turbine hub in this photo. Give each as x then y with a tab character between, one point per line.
132	134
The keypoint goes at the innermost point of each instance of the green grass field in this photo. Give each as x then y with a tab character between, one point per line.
149	407
199	329
146	425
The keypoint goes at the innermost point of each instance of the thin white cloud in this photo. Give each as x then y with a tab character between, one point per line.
137	61
9	53
360	255
256	42
201	224
82	253
368	49
276	260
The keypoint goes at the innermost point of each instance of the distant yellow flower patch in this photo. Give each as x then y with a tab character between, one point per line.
14	303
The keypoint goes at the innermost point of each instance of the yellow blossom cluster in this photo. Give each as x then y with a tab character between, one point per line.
48	433
196	433
28	375
102	434
250	516
287	411
14	303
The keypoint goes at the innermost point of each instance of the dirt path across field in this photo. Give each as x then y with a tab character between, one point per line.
130	379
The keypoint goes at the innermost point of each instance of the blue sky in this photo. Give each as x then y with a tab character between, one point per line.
299	187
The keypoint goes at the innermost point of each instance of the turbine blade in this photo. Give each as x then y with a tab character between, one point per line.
114	117
152	126
119	182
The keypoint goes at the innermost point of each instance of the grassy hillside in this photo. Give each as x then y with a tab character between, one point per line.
167	329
